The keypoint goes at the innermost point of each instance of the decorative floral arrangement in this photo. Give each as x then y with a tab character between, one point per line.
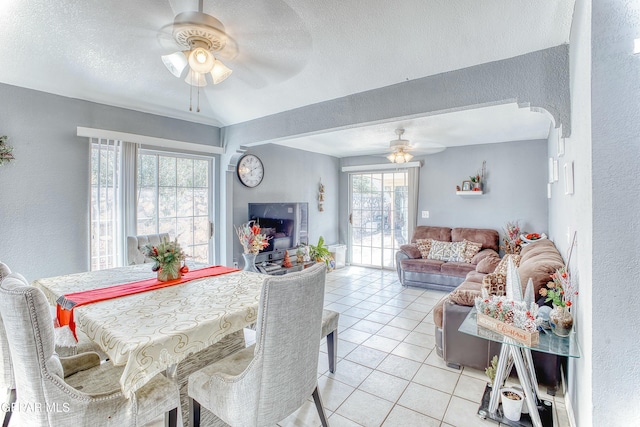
560	290
167	257
514	313
512	243
5	151
251	237
475	179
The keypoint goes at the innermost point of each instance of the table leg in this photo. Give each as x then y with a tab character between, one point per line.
525	381
532	372
501	376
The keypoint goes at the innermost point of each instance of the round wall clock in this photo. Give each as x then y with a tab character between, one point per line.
250	170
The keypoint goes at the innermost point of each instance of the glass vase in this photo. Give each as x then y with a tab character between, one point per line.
250	263
561	321
169	272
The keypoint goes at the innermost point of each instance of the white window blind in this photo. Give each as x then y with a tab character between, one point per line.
113	178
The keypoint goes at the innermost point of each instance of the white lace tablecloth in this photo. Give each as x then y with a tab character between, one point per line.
151	331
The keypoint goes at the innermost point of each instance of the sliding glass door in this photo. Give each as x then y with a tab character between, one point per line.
378	217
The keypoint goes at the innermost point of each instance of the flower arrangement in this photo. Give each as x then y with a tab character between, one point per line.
512	243
514	313
560	290
167	257
5	150
251	237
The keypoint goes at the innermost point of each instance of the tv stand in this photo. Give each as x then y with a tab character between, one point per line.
271	263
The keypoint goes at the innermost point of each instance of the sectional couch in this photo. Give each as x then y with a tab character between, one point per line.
416	270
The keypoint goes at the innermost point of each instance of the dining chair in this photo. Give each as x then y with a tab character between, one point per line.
268	381
136	243
78	390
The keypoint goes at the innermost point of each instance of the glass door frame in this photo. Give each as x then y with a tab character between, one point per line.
386	224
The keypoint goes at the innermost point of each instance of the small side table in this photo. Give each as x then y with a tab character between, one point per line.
513	352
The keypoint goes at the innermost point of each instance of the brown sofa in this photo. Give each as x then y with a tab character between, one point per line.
538	261
414	270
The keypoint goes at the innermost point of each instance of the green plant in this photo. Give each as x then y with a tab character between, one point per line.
491	370
561	289
320	252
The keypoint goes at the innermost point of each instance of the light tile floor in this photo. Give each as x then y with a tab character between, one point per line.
388	372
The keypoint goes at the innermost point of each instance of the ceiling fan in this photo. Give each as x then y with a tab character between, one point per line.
400	148
201	36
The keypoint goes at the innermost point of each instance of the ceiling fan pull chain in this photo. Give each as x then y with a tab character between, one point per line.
198	110
190	92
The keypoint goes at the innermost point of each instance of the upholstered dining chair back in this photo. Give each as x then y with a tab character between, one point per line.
29	330
44	396
263	384
136	243
7	381
287	341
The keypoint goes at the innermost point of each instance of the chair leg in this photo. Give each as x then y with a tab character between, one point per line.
332	350
194	413
11	399
171	418
320	408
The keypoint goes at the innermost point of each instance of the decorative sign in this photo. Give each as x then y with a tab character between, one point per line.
527	338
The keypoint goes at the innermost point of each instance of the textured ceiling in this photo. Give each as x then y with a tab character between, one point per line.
284	54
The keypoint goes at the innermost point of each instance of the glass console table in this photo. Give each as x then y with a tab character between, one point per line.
513	352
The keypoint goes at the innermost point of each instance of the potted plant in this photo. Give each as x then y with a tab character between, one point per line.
320	252
561	291
491	370
512	400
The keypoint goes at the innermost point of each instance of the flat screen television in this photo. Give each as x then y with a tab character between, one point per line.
285	223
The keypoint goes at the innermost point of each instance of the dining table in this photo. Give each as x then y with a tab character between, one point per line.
152	332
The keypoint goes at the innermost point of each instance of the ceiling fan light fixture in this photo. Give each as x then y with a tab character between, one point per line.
220	72
201	60
175	63
201	35
399	155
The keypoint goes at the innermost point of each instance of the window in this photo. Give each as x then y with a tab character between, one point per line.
174	196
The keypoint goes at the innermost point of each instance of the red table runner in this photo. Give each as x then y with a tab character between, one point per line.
67	303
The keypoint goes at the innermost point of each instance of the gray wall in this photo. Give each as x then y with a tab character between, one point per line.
44	193
572	213
615	139
292	176
515	187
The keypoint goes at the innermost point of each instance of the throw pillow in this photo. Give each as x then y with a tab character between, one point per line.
504	263
424	246
464	297
495	284
488	264
458	250
471	249
440	250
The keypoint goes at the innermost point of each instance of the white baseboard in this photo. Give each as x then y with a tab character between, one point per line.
567	401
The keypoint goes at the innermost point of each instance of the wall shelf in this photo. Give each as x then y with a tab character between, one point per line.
469	193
